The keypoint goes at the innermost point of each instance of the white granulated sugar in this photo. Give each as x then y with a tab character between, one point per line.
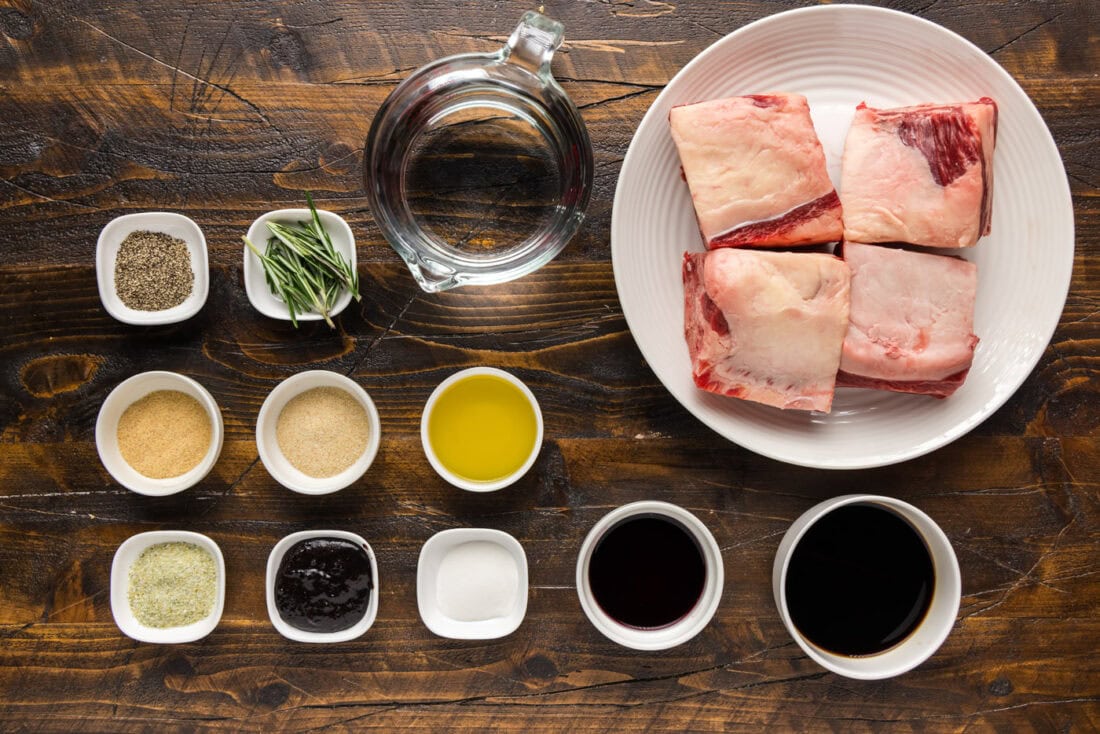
477	581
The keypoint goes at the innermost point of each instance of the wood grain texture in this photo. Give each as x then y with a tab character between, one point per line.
223	111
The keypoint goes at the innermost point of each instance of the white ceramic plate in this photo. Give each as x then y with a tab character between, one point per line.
838	56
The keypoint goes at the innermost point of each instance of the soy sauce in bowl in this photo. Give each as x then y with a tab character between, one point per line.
860	581
647	572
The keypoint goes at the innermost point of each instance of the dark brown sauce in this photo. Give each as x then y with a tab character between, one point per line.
860	580
647	572
323	585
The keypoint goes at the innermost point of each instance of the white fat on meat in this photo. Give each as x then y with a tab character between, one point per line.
922	174
912	320
766	326
756	171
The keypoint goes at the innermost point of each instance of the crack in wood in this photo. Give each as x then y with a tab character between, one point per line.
587	325
1024	579
179	59
1016	38
318	24
67	515
363	79
44	197
752	541
1018	491
620	98
706	28
477	668
926	8
12	633
366	352
493	699
536	698
608	82
176	70
612	45
229	490
48	614
984	712
67	495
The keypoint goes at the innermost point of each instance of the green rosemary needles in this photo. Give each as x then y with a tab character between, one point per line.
303	269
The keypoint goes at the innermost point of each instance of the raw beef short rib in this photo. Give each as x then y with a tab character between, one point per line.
766	326
756	171
911	322
920	174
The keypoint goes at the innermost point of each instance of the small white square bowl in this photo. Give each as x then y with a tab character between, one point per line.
427	574
106	253
125	557
293	633
127	393
255	284
267	442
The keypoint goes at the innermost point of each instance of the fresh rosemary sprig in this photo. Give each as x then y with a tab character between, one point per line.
303	269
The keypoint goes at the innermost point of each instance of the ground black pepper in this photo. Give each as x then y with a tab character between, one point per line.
153	271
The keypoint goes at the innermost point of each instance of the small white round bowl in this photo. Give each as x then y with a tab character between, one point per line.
462	482
127	393
176	225
267	443
255	284
427	575
124	558
293	633
929	634
679	632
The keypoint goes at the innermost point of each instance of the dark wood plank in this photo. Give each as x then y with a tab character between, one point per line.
224	111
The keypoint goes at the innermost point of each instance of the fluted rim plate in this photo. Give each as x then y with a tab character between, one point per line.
839	56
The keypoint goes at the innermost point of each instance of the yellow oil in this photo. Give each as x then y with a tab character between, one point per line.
482	428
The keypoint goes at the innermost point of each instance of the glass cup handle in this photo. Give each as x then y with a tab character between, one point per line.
533	42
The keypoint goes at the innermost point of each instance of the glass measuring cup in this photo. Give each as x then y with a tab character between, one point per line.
478	167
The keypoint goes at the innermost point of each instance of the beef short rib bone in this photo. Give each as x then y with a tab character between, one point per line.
920	174
911	322
756	171
766	326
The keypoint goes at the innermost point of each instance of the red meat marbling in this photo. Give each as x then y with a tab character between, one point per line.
920	174
756	171
766	326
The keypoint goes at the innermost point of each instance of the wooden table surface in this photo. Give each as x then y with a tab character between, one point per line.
222	111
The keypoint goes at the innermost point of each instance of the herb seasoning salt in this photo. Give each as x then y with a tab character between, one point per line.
172	585
153	271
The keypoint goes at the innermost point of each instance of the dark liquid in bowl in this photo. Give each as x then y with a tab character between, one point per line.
647	572
860	580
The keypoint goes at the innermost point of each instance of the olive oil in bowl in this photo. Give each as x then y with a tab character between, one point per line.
481	427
